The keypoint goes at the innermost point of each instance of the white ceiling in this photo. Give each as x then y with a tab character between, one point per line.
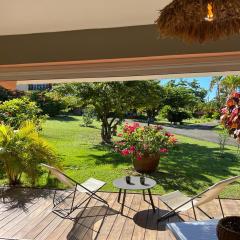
36	16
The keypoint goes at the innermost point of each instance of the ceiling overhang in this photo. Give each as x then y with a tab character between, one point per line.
134	68
92	40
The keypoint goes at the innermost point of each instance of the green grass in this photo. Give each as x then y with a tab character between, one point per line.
191	167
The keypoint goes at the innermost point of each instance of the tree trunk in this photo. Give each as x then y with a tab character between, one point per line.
106	131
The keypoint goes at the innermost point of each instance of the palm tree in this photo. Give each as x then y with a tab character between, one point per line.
22	150
216	82
231	83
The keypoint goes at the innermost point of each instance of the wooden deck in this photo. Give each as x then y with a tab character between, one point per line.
27	215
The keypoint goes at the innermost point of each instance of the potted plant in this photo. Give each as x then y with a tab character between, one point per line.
145	145
229	228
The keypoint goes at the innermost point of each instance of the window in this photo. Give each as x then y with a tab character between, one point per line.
33	87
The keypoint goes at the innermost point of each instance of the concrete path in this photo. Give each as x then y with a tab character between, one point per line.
202	131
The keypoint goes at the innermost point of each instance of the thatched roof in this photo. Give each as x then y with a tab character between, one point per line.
185	19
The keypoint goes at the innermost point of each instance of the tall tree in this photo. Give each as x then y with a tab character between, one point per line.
112	100
216	82
231	83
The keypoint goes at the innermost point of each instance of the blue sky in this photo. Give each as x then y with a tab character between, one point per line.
204	82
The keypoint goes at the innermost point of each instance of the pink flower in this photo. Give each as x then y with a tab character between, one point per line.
163	150
120	143
131	128
224	110
125	152
132	149
139	156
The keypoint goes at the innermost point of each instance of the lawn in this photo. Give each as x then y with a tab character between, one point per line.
191	167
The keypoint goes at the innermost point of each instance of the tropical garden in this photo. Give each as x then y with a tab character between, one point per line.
109	130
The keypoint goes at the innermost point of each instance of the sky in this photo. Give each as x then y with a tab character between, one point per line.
204	82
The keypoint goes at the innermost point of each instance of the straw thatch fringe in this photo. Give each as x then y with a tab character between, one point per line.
185	19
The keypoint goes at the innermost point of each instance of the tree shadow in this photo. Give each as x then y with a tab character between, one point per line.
192	168
22	198
64	118
189	168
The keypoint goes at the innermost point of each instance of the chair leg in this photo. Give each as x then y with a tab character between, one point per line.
119	195
194	212
221	206
74	194
205	213
123	202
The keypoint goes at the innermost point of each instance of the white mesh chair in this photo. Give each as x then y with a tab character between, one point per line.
89	187
178	202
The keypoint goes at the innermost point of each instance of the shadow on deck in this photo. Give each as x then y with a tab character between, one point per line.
26	214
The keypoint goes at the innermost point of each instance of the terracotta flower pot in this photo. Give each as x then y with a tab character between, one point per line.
147	164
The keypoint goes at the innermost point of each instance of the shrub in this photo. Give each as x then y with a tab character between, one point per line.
21	152
88	115
50	104
164	112
14	112
216	115
177	116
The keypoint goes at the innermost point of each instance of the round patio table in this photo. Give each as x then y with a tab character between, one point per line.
134	184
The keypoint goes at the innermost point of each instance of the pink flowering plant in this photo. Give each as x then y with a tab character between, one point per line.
141	141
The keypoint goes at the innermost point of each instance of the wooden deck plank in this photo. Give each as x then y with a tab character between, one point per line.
47	223
20	219
103	224
90	217
138	222
111	218
152	226
70	232
64	224
121	218
34	219
141	219
129	225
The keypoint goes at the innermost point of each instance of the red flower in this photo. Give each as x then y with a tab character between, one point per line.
132	149
163	150
168	134
125	152
120	135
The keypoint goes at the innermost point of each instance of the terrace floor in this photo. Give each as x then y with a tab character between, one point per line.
27	215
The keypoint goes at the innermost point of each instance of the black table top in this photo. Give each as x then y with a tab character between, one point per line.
135	183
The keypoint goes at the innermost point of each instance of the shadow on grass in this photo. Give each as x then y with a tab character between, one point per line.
189	168
64	118
110	157
192	168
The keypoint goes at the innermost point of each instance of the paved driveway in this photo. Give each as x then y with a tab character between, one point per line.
202	131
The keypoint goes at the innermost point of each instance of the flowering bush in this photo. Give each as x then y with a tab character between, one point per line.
230	115
139	141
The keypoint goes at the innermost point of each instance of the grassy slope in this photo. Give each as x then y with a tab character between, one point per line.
191	168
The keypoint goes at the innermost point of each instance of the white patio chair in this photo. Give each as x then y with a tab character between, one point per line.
178	202
89	187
